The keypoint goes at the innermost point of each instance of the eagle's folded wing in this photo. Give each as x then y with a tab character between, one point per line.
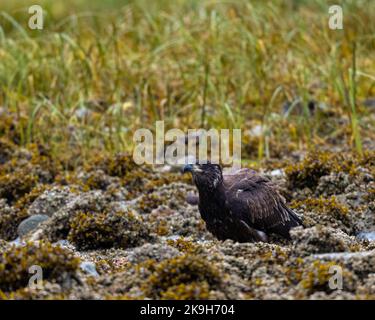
254	200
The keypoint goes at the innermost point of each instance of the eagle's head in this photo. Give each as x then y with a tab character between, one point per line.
207	176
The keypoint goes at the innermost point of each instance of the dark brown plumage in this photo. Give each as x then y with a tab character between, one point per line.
241	205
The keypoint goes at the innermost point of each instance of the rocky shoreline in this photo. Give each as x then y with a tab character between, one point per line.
112	230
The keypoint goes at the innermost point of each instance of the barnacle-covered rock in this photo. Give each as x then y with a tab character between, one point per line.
307	173
318	276
148	251
326	212
321	239
57	264
106	230
51	201
169	275
59	225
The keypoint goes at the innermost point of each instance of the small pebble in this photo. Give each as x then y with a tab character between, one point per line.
89	268
370	236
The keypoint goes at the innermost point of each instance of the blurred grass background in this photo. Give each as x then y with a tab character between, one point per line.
101	69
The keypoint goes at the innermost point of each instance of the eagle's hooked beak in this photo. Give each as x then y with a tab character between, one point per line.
188	168
191	168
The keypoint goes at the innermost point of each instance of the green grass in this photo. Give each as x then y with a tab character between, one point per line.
192	63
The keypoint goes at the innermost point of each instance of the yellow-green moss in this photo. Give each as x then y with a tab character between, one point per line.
20	174
162	228
148	202
190	291
7	149
317	277
187	269
105	230
17	184
315	165
11	126
183	245
56	262
322	205
118	165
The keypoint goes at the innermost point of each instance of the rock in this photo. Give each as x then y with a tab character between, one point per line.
30	224
344	255
58	226
192	198
17	242
51	201
89	268
370	236
64	243
335	183
320	240
256	131
277	173
361	264
370	102
157	252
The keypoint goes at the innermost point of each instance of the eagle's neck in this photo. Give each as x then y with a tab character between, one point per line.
212	199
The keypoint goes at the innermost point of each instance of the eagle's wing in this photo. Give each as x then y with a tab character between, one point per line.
255	200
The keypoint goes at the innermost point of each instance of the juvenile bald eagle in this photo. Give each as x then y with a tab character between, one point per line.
241	205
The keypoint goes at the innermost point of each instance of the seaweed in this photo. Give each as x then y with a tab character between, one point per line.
181	273
56	262
105	230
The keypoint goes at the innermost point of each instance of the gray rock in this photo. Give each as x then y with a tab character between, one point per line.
89	268
370	102
370	235
51	201
158	252
320	239
344	255
192	198
30	224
